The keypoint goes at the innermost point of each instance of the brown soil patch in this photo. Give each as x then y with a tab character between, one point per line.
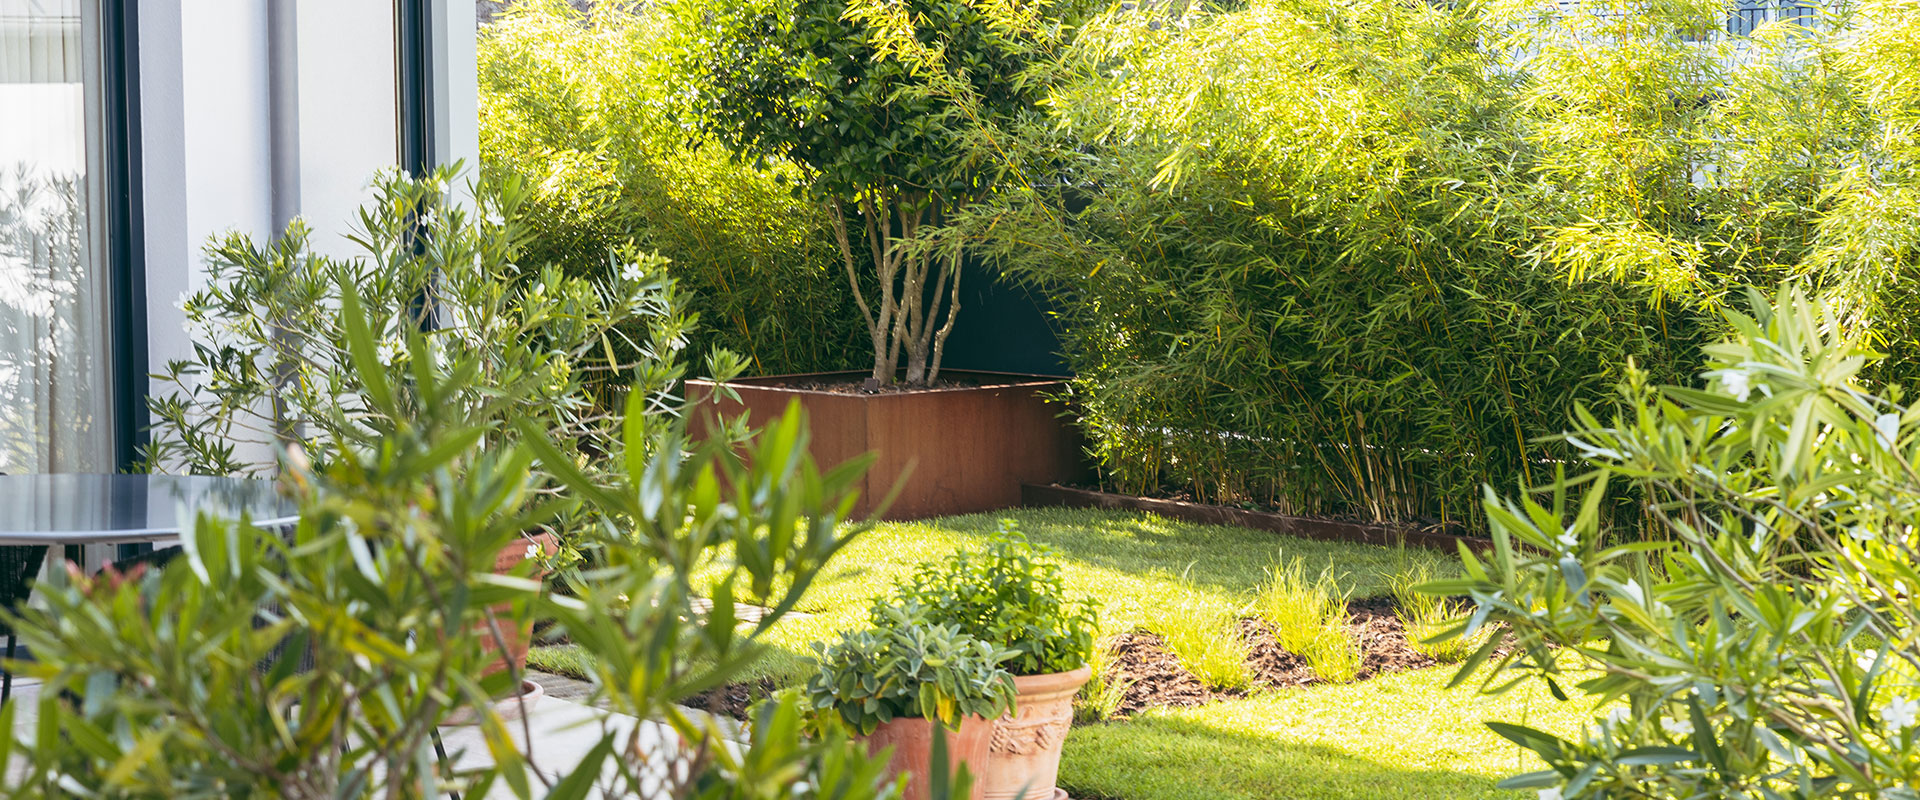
1152	674
859	386
1273	667
1383	638
733	699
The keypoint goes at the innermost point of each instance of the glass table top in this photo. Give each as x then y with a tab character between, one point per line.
82	509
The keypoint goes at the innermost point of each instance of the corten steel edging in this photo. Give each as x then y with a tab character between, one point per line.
1035	495
969	449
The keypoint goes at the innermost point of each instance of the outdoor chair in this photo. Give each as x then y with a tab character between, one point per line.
18	565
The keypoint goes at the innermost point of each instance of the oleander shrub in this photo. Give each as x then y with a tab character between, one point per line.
1763	643
588	112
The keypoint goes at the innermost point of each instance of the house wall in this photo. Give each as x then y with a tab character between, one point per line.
208	145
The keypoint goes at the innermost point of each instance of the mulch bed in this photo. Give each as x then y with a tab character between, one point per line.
1155	678
1158	679
733	699
1155	675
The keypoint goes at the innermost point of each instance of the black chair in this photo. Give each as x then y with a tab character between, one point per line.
18	565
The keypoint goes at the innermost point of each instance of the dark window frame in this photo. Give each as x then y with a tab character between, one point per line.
125	257
413	30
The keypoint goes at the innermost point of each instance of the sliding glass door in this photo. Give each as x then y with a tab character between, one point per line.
56	388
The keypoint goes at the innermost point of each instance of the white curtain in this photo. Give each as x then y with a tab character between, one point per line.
55	407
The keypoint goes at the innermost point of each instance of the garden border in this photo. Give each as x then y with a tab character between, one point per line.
1038	496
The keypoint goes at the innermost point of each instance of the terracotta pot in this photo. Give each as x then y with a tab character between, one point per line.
912	741
519	638
1024	758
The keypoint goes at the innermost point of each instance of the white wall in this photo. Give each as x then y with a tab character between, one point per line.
347	111
205	123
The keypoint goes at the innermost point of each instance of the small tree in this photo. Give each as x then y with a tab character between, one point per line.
882	138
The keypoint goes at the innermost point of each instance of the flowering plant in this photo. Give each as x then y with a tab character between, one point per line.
1761	639
271	367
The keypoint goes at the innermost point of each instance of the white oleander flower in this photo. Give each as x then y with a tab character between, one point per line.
1866	659
389	351
1900	714
1618	715
1677	728
1550	794
632	273
1737	382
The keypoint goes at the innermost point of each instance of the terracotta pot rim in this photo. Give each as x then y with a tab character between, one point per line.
1053	680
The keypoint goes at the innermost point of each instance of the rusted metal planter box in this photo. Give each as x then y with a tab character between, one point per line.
971	448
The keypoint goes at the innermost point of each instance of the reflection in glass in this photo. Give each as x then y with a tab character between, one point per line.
54	410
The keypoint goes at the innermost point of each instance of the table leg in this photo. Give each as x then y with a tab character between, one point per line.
73	555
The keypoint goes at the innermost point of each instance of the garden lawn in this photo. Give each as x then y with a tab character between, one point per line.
1401	735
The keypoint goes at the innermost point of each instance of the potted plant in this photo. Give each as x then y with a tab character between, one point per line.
892	684
1011	596
883	144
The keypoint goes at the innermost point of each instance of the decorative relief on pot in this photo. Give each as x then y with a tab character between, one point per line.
1028	736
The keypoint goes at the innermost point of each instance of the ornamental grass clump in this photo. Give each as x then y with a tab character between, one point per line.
1012	595
1763	642
1205	636
1100	698
1300	610
1429	618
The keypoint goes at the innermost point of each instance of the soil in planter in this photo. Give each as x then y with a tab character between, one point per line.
859	386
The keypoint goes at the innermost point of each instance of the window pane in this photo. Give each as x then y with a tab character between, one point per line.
54	399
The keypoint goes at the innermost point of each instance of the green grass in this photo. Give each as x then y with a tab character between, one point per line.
1397	736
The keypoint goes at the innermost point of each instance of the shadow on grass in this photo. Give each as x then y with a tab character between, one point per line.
1222	559
1170	758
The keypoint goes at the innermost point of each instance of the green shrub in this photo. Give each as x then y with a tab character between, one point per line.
1206	638
589	115
1763	643
1012	596
906	666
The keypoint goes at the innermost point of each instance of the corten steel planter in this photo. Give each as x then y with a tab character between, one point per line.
971	447
1024	759
912	741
